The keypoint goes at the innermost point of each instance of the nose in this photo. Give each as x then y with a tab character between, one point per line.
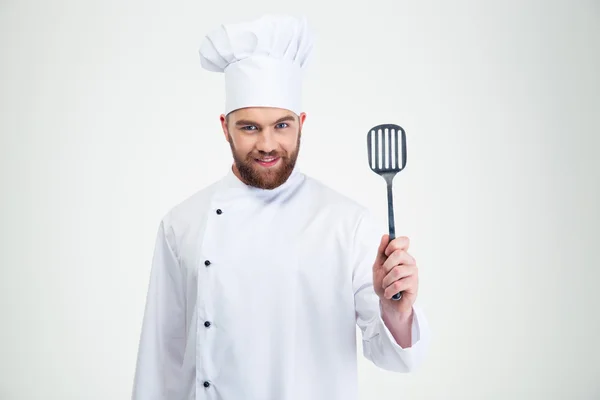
266	141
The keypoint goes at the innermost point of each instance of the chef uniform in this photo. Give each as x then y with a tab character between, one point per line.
256	294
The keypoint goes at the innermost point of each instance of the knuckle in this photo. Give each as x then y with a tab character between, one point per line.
399	254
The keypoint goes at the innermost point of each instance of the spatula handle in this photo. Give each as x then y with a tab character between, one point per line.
390	197
391	224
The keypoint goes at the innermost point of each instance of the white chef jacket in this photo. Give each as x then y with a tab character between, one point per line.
256	294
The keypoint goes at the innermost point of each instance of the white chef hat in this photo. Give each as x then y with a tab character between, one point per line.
263	61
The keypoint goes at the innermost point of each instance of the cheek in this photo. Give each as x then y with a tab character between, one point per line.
243	146
290	144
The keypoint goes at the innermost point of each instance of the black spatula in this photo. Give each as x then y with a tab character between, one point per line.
386	146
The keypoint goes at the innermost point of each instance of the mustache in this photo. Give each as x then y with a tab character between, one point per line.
272	154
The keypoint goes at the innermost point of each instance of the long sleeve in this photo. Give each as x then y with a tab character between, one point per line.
162	338
379	346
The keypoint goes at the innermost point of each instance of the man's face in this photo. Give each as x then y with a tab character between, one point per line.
264	143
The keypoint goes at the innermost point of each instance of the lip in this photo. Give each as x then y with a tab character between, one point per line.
269	163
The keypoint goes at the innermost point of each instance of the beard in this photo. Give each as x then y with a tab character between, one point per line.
265	178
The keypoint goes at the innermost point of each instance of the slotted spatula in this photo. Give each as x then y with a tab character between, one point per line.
386	145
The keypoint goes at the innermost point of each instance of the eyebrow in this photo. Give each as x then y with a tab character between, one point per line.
242	122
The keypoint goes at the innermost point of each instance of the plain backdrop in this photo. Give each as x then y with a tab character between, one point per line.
107	121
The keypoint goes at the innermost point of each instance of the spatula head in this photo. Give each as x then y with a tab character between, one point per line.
386	144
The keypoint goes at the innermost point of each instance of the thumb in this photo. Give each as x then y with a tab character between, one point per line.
383	243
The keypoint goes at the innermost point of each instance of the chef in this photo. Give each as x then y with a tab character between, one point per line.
259	281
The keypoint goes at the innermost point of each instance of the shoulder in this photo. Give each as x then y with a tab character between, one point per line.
362	228
338	204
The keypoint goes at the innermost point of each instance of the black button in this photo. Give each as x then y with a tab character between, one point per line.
207	263
219	211
206	384
207	324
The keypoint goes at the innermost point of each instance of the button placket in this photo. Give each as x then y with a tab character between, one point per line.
208	324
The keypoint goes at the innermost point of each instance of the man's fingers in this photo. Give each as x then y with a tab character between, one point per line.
397	273
399	243
396	258
399	286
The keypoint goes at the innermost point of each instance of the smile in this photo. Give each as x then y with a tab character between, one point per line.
267	162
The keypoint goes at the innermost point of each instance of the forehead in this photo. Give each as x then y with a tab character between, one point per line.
263	115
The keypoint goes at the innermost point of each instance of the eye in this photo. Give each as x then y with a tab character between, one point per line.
283	123
248	127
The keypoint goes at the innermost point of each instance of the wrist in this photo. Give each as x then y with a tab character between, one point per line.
394	313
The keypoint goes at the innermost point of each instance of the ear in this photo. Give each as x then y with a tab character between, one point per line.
223	120
302	118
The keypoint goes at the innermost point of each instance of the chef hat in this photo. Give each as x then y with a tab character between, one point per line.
263	61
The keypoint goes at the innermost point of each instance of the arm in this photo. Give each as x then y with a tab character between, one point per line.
162	339
399	324
392	340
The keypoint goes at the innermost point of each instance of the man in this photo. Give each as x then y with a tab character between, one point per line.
259	280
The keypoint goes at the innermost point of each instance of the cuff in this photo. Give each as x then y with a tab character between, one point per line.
415	330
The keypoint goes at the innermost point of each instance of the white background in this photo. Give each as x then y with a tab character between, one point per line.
107	120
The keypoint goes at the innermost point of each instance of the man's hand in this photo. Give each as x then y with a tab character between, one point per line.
395	270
